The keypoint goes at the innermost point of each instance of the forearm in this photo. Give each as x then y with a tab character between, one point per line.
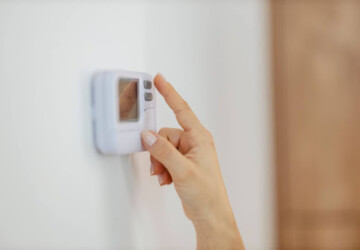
220	232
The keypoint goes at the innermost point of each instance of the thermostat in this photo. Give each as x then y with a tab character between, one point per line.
123	104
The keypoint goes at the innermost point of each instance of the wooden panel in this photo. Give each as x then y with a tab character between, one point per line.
314	234
316	58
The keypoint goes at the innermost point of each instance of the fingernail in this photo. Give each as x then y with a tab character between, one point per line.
152	169
148	137
160	179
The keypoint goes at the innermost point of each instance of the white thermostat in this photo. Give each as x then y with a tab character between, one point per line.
123	104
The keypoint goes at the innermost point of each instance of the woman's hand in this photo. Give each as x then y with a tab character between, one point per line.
187	157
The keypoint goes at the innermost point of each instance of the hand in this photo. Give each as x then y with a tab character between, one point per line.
187	157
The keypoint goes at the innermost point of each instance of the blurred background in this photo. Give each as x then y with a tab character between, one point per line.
276	82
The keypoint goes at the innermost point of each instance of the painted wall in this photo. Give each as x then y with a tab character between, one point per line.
56	192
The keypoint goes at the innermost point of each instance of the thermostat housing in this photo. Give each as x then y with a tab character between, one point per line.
123	104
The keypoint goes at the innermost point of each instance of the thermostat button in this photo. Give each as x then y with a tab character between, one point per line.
148	97
147	84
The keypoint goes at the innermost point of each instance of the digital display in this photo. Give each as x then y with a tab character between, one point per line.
128	99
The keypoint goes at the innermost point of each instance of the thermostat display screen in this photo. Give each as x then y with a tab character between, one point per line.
128	99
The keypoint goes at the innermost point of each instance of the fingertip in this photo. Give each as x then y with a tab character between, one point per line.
152	169
164	178
160	78
160	82
160	179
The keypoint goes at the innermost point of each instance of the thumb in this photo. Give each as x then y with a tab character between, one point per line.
162	150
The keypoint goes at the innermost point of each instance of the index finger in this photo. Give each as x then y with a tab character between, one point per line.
184	115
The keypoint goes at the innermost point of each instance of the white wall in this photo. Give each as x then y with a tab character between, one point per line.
55	191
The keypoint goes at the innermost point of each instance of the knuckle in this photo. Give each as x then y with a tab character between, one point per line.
186	105
207	135
183	108
162	131
164	151
204	137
